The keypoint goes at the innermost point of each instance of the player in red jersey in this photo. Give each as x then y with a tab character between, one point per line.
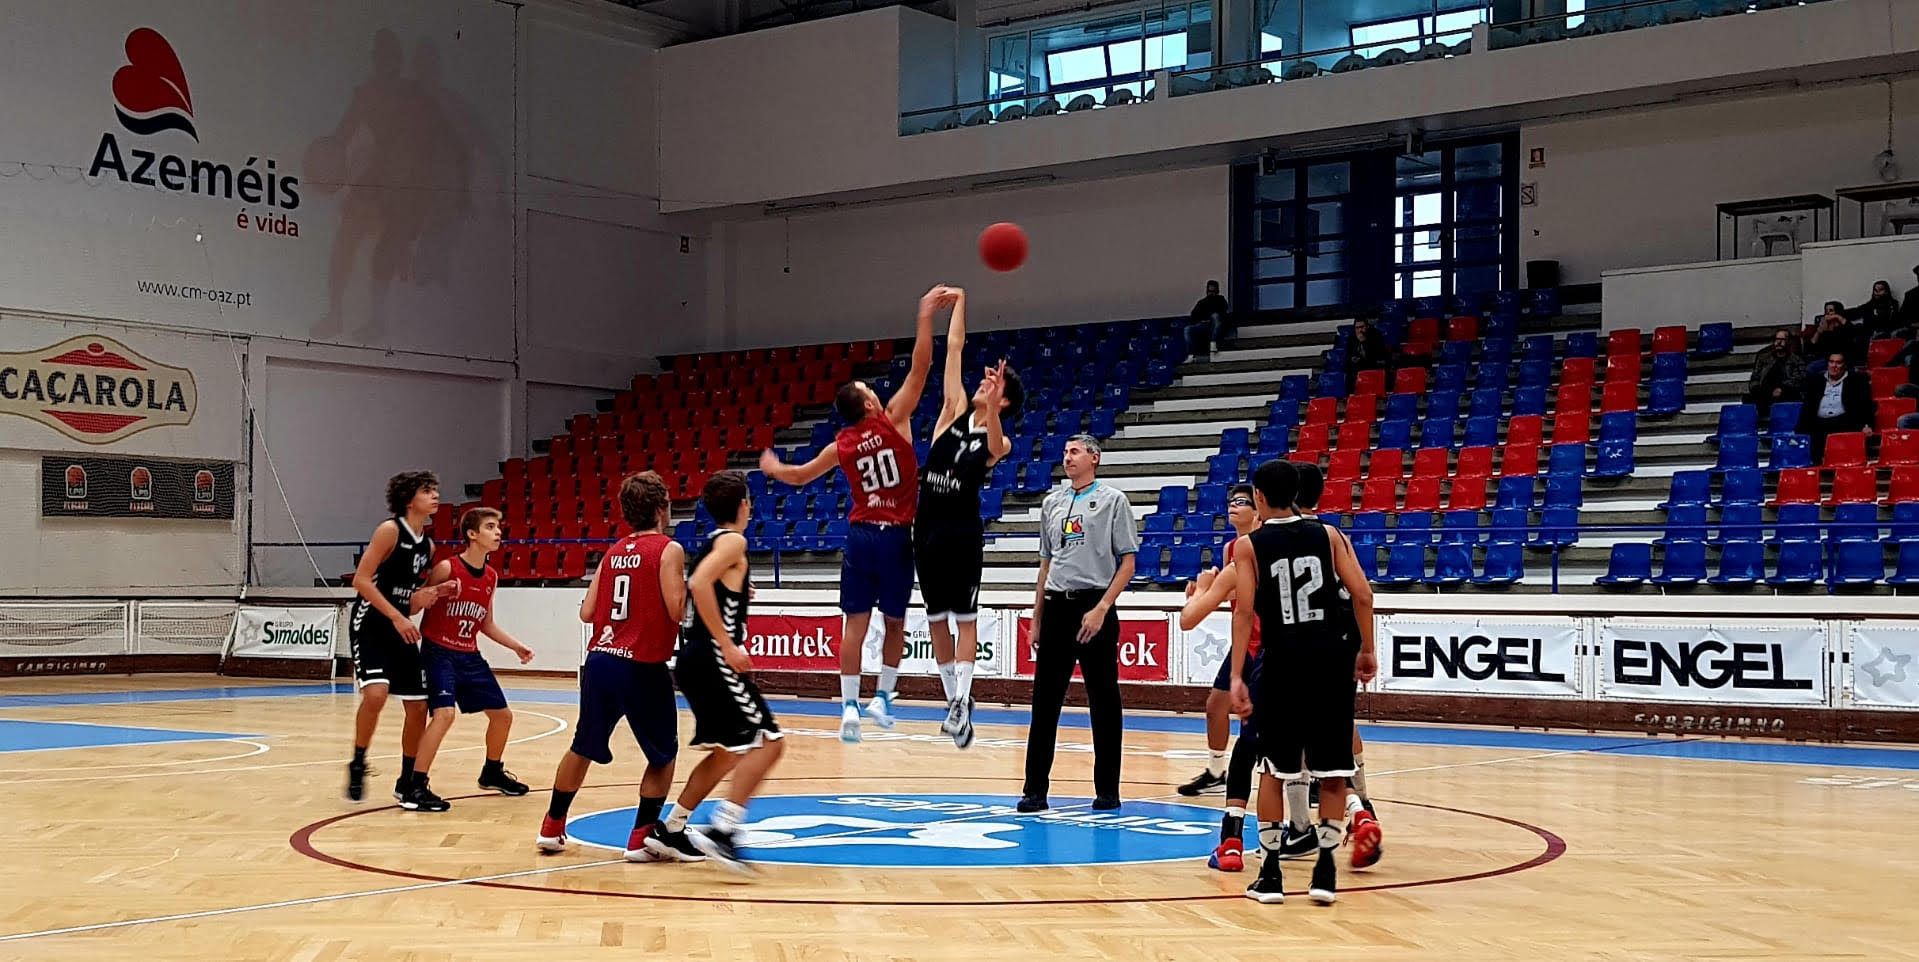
876	568
457	675
635	604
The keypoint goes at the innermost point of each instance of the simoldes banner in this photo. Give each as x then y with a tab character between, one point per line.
283	633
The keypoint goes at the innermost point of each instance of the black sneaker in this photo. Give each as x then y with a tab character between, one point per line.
1293	844
502	781
401	789
1367	804
1031	803
355	781
1105	803
1205	783
722	846
672	846
1325	887
1267	889
420	798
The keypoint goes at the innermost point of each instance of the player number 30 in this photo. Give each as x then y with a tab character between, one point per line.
878	470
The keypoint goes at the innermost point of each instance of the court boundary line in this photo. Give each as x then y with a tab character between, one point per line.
260	748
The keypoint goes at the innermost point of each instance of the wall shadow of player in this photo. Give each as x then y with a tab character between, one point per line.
414	171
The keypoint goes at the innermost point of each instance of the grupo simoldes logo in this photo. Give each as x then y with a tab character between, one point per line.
95	390
151	98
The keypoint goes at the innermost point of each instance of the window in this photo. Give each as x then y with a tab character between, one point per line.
1449	28
1078	56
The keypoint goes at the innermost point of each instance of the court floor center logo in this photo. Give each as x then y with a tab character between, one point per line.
150	92
946	831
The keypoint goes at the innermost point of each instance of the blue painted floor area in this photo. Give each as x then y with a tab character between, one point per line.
36	736
1779	753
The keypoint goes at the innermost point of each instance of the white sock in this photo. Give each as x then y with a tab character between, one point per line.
1358	781
675	818
949	678
1331	833
1216	765
1236	811
850	689
963	679
1353	806
1299	804
727	816
889	678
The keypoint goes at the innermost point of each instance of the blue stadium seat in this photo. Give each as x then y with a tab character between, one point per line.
1158	374
1738	522
1546	302
1405	564
1005	475
1789	451
1454	565
1858	563
1333	518
1800	563
1738	452
1482	432
1431	306
1235	441
1455	352
1331	384
1666	396
1630	564
1395	435
1185	563
1796	522
1443	404
1492	375
832	535
1736	420
1510	525
1905	522
1566	459
1783	418
1487	402
801	536
1414	527
1035	477
1459	527
1210	500
1172	499
1538	347
1515	492
1295	387
1906	569
1368	560
1854	522
1401	407
1740	563
992	504
1715	340
1667	367
1282	413
1102	423
1582	344
1619	426
1683	563
1742	487
793	507
1613	459
1685	522
1222	469
756	484
1535	373
1159	528
1450	377
1275	440
1436	433
1557	526
1565	490
1529	400
1495	348
1688	487
1369	528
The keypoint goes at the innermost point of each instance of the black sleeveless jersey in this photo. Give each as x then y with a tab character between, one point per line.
1298	600
955	467
405	568
732	603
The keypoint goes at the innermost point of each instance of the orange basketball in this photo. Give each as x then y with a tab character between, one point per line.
1002	246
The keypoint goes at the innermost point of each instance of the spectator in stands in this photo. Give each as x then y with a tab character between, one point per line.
1778	372
1367	351
1210	322
1909	307
1880	313
1840	401
1831	334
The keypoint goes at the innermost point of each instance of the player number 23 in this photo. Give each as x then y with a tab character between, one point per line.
878	470
1296	606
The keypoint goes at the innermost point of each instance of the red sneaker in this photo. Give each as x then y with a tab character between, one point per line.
636	845
1365	837
552	835
1229	856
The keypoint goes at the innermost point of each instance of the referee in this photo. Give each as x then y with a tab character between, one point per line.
1087	548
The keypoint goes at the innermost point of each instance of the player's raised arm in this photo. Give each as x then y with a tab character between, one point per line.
1346	565
953	401
900	409
798	474
997	443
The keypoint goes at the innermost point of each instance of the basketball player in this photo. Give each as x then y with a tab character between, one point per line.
386	644
876	568
1365	833
1204	596
948	537
456	673
1294	571
634	603
730	718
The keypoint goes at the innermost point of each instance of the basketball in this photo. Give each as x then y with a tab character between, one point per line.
1002	246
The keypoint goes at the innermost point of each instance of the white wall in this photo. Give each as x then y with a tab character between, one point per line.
1844	270
1100	250
549	406
1755	290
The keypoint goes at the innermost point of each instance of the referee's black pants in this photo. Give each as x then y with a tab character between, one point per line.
1098	661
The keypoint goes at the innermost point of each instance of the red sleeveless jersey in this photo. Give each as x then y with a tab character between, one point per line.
454	621
1252	646
881	467
629	616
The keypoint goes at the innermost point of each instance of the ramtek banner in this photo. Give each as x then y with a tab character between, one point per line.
1145	649
1780	662
1444	654
283	633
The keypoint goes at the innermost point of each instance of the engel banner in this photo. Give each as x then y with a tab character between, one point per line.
1145	649
1885	664
283	633
1453	655
337	172
1772	662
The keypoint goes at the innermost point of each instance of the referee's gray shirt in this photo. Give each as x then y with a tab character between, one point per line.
1084	534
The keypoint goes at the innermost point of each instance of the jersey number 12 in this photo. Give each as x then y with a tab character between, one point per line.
1296	606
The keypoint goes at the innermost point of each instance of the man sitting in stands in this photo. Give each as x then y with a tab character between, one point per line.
1840	401
1778	372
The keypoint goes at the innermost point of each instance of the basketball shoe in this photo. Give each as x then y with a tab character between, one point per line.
1365	837
552	836
671	846
1229	856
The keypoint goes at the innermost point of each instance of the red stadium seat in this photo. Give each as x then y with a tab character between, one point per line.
1475	462
1623	342
1355	436
1362	409
1421	334
1619	396
1576	370
1379	494
1880	353
1322	410
1905	485
1370	381
1519	460
1387	463
1573	398
1525	429
1343	465
1898	447
1337	498
1797	486
572	562
1463	328
1468	493
1422	494
1409	380
1854	485
1314	438
1846	450
1431	462
1670	339
1623	368
1885	380
1889	411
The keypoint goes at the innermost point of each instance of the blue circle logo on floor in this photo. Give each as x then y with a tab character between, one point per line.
857	830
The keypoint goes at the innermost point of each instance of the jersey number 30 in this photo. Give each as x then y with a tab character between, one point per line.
1296	605
878	470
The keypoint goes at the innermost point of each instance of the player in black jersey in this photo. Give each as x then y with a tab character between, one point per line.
1295	572
1364	830
386	644
948	536
730	717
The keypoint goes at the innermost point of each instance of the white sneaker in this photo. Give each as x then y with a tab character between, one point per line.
963	732
850	725
955	716
881	709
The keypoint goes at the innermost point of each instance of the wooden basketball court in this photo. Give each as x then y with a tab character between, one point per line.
187	817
